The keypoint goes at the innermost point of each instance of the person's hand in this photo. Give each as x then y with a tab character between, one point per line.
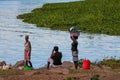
72	37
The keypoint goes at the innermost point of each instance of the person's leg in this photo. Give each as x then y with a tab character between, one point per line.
26	63
30	63
75	58
76	64
48	65
50	62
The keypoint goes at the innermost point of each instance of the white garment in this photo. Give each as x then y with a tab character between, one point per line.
75	55
51	61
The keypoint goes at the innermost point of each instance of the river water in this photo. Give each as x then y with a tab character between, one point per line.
91	46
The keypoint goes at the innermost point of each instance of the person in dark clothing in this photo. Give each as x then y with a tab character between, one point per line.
55	58
74	50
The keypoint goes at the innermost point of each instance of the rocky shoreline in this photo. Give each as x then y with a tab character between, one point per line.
64	72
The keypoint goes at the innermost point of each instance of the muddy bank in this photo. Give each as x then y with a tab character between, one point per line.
64	72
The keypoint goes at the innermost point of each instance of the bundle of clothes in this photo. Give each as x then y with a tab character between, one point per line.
74	31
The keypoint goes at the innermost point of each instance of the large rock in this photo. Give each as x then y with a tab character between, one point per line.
1	78
18	64
62	69
67	64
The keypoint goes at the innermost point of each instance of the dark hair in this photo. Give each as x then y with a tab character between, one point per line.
26	36
76	37
56	48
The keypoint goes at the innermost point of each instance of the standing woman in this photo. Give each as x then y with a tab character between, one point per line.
75	50
27	52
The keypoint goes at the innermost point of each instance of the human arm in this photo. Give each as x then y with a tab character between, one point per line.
73	39
60	54
52	54
30	47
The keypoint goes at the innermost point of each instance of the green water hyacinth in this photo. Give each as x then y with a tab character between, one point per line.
91	16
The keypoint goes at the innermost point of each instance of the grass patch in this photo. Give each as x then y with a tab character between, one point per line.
113	63
72	78
72	71
95	77
92	16
11	72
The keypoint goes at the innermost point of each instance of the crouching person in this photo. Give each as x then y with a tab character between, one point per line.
55	58
2	63
4	66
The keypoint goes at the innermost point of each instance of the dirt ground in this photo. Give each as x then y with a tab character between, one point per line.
66	72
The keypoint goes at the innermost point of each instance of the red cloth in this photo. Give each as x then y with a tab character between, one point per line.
25	55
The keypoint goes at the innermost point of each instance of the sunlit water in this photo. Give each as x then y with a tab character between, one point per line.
94	47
